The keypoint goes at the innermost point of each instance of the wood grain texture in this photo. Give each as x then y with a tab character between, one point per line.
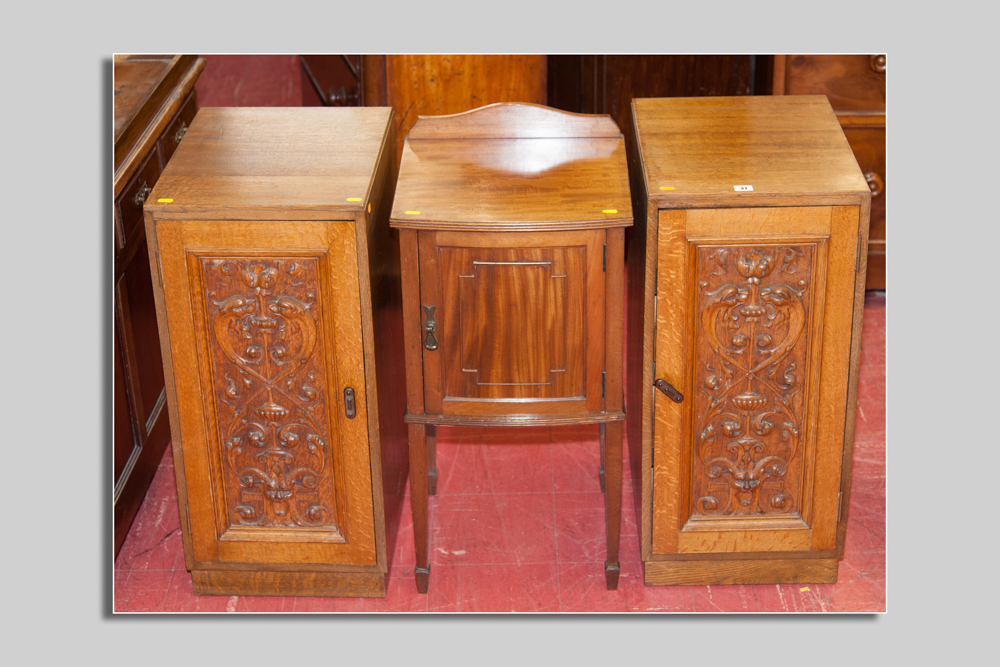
514	121
510	183
772	571
321	584
316	158
418	85
520	322
735	541
702	147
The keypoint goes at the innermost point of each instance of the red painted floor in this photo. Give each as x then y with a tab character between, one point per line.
521	528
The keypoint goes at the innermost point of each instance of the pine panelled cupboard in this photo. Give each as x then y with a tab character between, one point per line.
745	290
277	291
511	220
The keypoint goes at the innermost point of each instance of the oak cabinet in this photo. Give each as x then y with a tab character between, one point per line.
278	296
746	285
511	223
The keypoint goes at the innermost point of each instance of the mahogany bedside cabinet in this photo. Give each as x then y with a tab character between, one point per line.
746	284
278	296
511	220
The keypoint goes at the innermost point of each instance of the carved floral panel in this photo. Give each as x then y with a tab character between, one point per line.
752	350
265	337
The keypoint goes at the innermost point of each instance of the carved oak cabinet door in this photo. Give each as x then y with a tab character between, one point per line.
750	460
276	450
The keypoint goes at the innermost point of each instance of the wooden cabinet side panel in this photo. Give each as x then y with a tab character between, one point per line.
379	254
640	240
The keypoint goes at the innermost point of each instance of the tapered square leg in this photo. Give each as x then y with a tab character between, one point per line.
613	499
418	501
432	469
600	473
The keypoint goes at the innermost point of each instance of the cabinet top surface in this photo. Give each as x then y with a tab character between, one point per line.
513	166
779	145
275	158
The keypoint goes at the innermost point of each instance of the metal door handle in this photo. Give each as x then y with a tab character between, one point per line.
430	326
349	406
669	390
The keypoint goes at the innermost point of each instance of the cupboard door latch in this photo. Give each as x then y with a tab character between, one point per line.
349	406
669	390
430	326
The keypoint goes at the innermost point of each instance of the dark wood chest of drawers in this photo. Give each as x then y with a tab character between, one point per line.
855	86
154	103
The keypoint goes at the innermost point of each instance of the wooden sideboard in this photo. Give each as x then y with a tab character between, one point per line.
855	86
154	102
278	294
746	287
511	222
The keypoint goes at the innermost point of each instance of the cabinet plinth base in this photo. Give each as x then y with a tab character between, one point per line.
315	584
749	571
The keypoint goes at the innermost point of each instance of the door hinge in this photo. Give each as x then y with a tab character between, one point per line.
603	375
159	268
840	504
857	256
604	260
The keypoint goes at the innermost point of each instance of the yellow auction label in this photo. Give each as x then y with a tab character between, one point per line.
164	201
413	213
610	210
369	208
667	187
354	199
